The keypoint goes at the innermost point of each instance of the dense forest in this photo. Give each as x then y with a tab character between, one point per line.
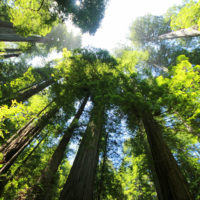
86	124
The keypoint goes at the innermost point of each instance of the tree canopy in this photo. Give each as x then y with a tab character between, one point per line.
80	123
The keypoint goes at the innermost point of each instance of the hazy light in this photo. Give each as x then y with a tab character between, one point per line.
78	3
118	17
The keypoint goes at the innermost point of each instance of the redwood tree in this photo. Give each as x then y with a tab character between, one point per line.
80	182
45	182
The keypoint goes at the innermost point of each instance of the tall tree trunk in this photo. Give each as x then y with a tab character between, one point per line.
8	34
5	99
171	181
188	32
16	146
28	87
24	95
4	180
10	55
10	50
16	38
102	171
79	185
6	24
163	68
46	180
153	172
20	131
150	161
17	134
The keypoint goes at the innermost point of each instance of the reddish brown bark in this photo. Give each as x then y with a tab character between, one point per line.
13	149
24	95
172	183
79	185
4	180
46	180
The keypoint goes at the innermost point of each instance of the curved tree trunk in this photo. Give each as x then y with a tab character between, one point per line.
171	180
188	32
46	180
12	150
79	185
161	67
24	95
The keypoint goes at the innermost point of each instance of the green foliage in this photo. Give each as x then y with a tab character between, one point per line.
24	46
29	19
87	14
135	176
128	84
183	86
61	38
62	174
187	17
129	59
2	46
86	72
28	172
18	114
36	17
111	186
23	81
182	141
144	29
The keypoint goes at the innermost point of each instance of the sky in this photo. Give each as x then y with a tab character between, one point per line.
118	17
114	29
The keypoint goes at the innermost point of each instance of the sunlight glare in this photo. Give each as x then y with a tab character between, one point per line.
118	17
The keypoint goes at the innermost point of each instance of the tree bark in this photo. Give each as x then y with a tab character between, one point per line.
28	87
28	156
46	180
17	38
102	176
153	172
163	68
4	99
15	152
171	181
188	32
10	50
5	180
20	131
150	162
16	146
10	55
24	95
79	185
6	24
